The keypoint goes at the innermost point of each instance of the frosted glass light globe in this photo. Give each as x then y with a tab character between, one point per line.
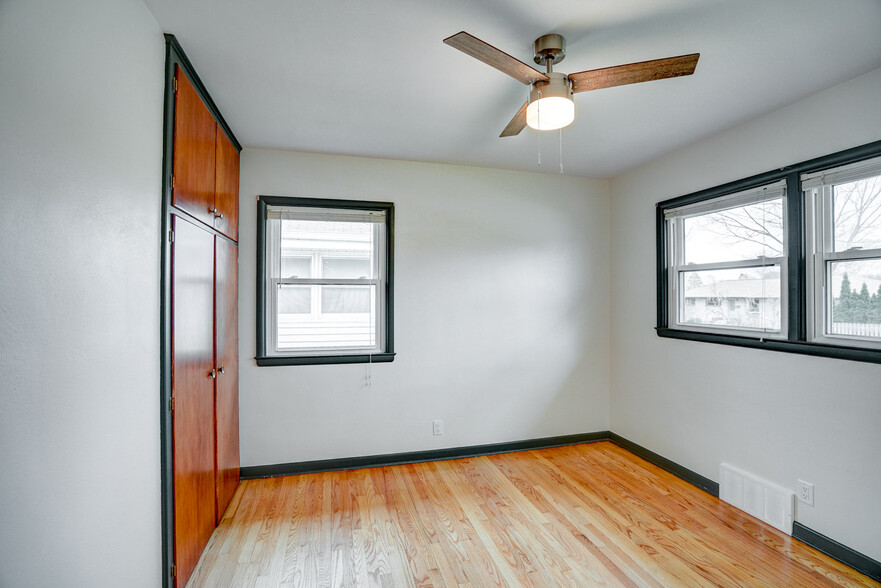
551	113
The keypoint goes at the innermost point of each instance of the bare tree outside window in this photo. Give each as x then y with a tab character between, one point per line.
757	228
857	218
857	215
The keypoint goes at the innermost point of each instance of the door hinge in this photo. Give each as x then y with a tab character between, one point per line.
173	570
171	404
171	236
171	182
175	85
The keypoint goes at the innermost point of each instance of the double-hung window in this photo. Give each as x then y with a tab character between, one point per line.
324	281
788	260
845	244
727	270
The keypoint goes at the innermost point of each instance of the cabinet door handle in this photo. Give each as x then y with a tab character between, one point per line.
212	374
215	213
220	370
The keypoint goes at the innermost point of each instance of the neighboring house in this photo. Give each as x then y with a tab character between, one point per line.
740	303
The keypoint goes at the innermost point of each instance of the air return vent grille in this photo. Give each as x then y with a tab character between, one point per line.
760	498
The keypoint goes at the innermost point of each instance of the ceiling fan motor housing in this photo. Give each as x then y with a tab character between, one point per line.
549	48
550	105
557	86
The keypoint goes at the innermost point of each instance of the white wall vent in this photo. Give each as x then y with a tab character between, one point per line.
760	498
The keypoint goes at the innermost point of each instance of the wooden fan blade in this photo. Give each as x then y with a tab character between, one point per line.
632	73
495	57
517	124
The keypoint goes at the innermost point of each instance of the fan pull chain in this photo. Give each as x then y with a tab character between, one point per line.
539	148
538	122
561	152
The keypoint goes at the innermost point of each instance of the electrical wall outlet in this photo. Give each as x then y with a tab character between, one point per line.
805	492
438	427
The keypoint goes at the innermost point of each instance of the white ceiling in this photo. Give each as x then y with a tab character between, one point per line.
373	78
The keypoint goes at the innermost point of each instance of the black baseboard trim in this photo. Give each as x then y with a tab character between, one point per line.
694	478
372	461
842	553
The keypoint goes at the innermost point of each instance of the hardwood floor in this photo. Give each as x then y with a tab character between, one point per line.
582	515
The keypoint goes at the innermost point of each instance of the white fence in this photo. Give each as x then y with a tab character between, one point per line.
858	329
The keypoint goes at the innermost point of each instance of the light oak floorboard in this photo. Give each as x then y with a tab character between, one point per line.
581	515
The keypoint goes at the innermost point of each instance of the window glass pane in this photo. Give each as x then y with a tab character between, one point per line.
339	267
296	267
746	232
857	213
346	299
855	287
743	298
347	321
294	299
352	240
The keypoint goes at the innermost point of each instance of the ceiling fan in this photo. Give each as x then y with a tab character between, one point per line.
550	105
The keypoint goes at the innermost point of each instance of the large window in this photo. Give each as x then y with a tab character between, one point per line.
788	260
728	263
845	204
324	281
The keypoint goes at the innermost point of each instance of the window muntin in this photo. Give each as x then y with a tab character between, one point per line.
325	283
727	263
845	277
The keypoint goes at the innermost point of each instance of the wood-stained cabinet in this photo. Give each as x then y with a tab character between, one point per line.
226	193
193	408
195	137
226	395
205	397
203	222
205	183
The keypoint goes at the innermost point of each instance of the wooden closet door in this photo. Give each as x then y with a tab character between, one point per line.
192	298
227	345
226	195
194	152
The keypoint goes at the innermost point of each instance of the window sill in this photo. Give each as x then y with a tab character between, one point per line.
325	359
799	347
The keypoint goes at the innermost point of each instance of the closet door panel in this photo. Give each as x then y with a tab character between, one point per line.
226	196
194	152
226	341
192	393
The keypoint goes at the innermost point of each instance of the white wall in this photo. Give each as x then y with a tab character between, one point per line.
778	415
501	313
80	160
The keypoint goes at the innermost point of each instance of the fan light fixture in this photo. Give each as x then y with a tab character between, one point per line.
551	106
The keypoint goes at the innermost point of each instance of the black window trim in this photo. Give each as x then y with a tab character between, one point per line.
386	356
796	339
